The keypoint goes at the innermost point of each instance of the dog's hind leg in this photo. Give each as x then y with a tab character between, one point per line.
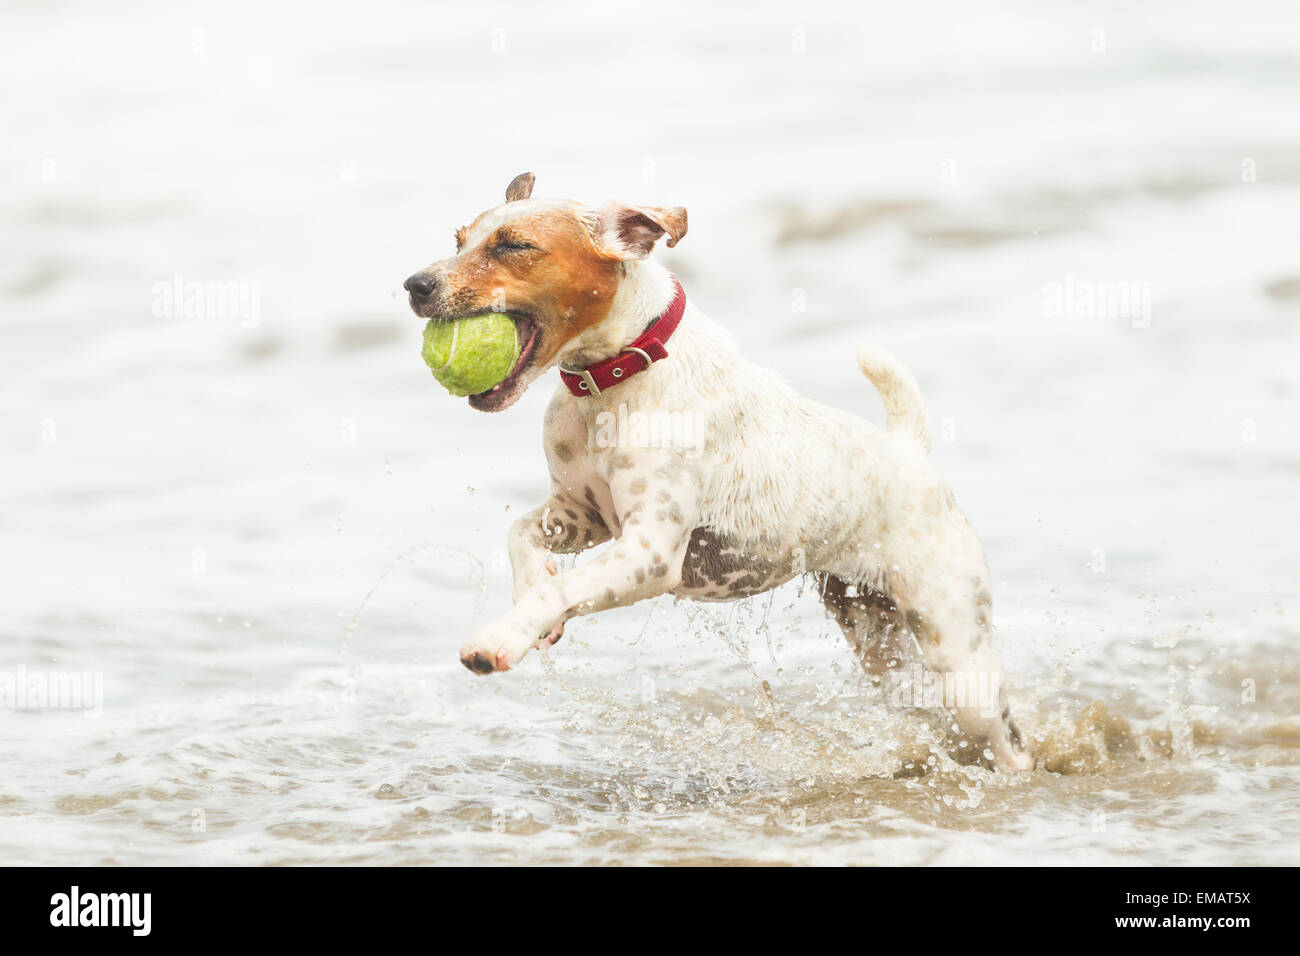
944	595
949	616
872	622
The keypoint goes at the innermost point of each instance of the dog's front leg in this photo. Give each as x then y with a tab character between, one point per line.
644	562
561	526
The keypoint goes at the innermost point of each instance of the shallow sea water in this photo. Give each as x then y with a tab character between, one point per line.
268	531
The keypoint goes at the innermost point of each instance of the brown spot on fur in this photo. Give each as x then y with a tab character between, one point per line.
983	618
563	452
672	513
920	628
714	567
672	470
637	487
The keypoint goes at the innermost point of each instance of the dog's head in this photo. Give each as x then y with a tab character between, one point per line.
553	265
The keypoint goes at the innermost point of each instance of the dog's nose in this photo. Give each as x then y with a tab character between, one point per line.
421	284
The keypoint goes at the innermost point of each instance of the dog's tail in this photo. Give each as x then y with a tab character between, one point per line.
904	407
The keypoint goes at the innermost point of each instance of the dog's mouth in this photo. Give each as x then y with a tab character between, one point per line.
506	392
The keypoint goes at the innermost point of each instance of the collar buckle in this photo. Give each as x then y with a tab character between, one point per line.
641	352
587	384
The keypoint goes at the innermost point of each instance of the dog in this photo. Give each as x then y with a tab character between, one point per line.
774	486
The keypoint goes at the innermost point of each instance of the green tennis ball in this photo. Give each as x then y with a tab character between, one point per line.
470	355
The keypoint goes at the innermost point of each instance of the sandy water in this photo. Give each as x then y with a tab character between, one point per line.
266	531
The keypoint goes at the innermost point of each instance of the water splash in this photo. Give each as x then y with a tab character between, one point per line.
477	578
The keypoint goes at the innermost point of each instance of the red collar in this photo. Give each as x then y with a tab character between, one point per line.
645	350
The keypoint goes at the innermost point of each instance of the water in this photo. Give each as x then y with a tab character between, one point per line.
267	530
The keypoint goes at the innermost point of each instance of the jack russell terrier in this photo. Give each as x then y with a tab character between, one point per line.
775	485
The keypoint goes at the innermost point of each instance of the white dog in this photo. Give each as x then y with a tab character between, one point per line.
771	485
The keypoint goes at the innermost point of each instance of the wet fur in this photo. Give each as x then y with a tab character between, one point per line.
780	484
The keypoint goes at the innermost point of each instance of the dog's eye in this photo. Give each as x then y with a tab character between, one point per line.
507	246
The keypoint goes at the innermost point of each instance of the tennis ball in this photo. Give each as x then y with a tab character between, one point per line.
470	355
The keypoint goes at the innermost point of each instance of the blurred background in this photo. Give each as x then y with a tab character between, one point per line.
231	489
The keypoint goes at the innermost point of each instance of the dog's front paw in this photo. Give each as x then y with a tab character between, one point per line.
487	660
478	661
496	648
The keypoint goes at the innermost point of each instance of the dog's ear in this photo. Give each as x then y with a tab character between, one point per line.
630	232
521	187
